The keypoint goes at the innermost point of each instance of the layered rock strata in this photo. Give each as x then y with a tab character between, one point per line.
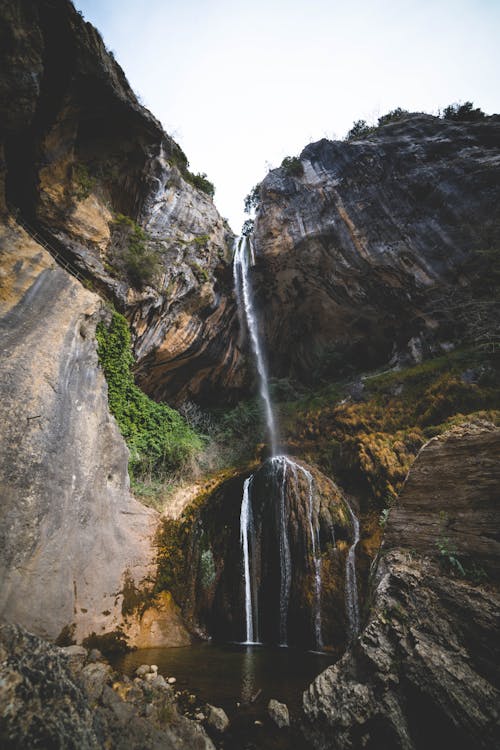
371	250
424	671
83	161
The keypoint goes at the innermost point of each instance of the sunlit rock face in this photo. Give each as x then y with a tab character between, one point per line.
71	534
424	671
365	256
79	150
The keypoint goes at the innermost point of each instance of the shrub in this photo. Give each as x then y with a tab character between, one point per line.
141	261
359	129
252	200
84	182
159	439
464	111
292	166
392	116
201	182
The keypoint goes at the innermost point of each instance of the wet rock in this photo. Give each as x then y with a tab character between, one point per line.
278	712
77	656
95	655
44	704
172	680
144	669
217	719
430	647
93	678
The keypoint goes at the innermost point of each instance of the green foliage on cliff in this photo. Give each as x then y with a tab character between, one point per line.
360	129
141	260
465	112
159	439
370	443
292	166
83	181
200	180
252	200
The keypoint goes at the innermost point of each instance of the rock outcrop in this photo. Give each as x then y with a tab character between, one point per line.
424	671
92	170
368	250
91	190
71	533
51	699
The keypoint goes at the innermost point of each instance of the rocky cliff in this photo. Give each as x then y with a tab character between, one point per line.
377	249
93	171
425	669
97	206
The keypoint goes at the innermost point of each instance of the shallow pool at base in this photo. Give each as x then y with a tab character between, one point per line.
231	674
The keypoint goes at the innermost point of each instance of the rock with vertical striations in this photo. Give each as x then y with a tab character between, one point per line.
424	671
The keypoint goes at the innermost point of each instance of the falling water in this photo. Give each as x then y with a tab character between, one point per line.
243	258
352	603
246	533
316	562
282	462
242	255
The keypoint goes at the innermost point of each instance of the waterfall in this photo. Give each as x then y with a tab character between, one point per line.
351	585
243	259
282	462
246	534
242	255
315	548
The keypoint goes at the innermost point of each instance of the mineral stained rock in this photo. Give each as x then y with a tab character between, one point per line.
424	671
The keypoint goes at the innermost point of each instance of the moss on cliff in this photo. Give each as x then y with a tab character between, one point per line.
374	440
159	439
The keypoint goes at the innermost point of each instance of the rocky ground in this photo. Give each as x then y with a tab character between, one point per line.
71	698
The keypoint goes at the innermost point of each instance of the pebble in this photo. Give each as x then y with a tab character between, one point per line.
258	723
154	667
199	717
172	680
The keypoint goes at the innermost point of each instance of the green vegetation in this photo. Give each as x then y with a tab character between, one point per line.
393	116
371	443
252	200
83	181
292	166
360	129
200	180
140	259
200	273
159	439
464	112
109	644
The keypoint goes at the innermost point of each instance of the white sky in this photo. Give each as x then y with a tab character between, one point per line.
240	85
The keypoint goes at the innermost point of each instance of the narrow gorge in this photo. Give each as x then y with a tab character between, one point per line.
239	472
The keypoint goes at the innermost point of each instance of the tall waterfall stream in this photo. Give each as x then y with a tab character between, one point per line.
282	466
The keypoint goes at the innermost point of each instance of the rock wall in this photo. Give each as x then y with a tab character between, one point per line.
368	250
79	152
71	533
424	672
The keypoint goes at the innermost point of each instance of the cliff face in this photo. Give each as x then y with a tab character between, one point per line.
71	533
94	172
369	250
106	190
429	648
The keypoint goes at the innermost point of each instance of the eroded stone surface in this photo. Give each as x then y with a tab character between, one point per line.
424	671
70	529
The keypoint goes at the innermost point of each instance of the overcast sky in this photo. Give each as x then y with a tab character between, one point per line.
240	85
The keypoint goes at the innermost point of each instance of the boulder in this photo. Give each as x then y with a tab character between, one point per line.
278	712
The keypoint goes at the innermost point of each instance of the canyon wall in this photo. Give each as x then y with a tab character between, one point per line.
424	671
377	250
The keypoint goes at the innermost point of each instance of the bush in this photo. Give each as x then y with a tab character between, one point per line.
292	166
360	129
252	200
201	182
464	111
83	181
141	261
392	116
159	439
